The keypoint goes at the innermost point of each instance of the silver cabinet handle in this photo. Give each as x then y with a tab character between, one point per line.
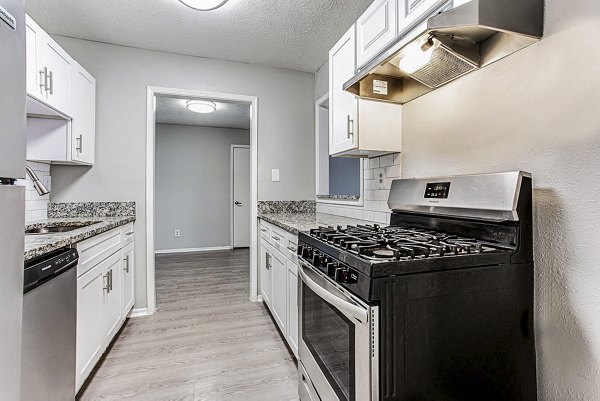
106	276
44	79
79	147
110	281
264	230
129	233
276	238
238	203
51	79
126	268
291	249
350	126
268	261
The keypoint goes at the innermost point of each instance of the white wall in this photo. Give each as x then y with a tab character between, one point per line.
539	111
192	185
322	81
285	126
36	206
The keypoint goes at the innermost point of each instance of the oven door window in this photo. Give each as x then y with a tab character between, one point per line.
329	336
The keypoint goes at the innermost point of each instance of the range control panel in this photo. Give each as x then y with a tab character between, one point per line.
437	190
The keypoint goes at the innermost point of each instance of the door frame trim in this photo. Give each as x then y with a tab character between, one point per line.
231	200
252	101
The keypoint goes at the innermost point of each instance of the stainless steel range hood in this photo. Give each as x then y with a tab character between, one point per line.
452	43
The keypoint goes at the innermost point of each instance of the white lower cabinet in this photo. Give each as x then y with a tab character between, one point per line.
279	299
292	287
279	280
112	297
266	285
127	269
90	341
105	294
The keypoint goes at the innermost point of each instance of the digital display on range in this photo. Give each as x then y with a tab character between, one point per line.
437	190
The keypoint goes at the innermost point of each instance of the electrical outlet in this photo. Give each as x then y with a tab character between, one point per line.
177	233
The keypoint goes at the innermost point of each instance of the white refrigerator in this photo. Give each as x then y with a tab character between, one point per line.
12	197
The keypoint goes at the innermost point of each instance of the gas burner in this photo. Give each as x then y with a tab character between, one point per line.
373	242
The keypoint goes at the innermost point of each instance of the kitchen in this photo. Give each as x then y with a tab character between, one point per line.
530	111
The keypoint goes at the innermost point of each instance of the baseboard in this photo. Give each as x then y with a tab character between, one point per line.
138	312
258	298
186	250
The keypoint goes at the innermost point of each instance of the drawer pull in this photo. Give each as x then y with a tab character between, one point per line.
276	238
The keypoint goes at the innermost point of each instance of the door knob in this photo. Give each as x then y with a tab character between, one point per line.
238	203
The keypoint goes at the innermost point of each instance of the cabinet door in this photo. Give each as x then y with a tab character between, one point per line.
90	340
411	12
32	39
127	294
279	296
342	104
58	65
83	135
292	276
266	285
112	297
375	29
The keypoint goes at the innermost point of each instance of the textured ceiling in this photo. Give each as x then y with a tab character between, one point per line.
280	33
228	115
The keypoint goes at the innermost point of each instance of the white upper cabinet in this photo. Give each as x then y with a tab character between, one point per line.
83	134
413	11
32	38
375	29
343	105
49	69
59	89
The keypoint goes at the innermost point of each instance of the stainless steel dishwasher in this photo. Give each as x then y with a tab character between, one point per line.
49	324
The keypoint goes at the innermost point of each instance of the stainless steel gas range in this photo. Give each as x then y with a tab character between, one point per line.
436	307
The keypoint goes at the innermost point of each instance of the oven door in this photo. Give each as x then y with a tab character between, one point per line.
338	339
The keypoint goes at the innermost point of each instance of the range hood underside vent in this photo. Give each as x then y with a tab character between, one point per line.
465	47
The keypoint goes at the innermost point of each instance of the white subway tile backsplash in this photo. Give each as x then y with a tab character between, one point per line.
36	207
385	161
393	171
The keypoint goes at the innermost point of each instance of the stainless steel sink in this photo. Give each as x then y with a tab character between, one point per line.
55	229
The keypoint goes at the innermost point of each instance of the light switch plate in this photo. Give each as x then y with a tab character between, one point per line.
275	175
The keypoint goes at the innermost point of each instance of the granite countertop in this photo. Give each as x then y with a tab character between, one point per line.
296	222
339	197
40	244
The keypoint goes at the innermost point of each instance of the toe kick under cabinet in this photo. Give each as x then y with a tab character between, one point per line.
279	279
105	294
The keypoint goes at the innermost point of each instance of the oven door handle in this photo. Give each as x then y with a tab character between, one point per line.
340	300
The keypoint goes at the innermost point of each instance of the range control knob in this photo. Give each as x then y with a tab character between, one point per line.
299	250
317	259
331	267
307	252
340	275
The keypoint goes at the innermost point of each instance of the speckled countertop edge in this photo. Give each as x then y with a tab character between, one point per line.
38	245
296	222
338	197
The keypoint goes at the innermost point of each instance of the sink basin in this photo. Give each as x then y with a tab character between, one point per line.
55	229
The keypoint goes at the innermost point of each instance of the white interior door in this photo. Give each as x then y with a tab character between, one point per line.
241	196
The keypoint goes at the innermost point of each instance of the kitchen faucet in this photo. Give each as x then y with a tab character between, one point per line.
37	184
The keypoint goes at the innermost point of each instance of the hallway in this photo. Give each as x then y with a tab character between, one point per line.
206	341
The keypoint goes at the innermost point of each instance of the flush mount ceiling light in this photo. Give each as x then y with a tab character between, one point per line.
201	106
204	5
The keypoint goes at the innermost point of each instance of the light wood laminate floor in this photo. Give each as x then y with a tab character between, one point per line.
207	341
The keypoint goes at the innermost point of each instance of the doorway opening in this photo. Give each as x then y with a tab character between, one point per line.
201	178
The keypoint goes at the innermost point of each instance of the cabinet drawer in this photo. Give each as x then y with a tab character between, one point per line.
265	230
291	245
94	250
278	239
127	236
